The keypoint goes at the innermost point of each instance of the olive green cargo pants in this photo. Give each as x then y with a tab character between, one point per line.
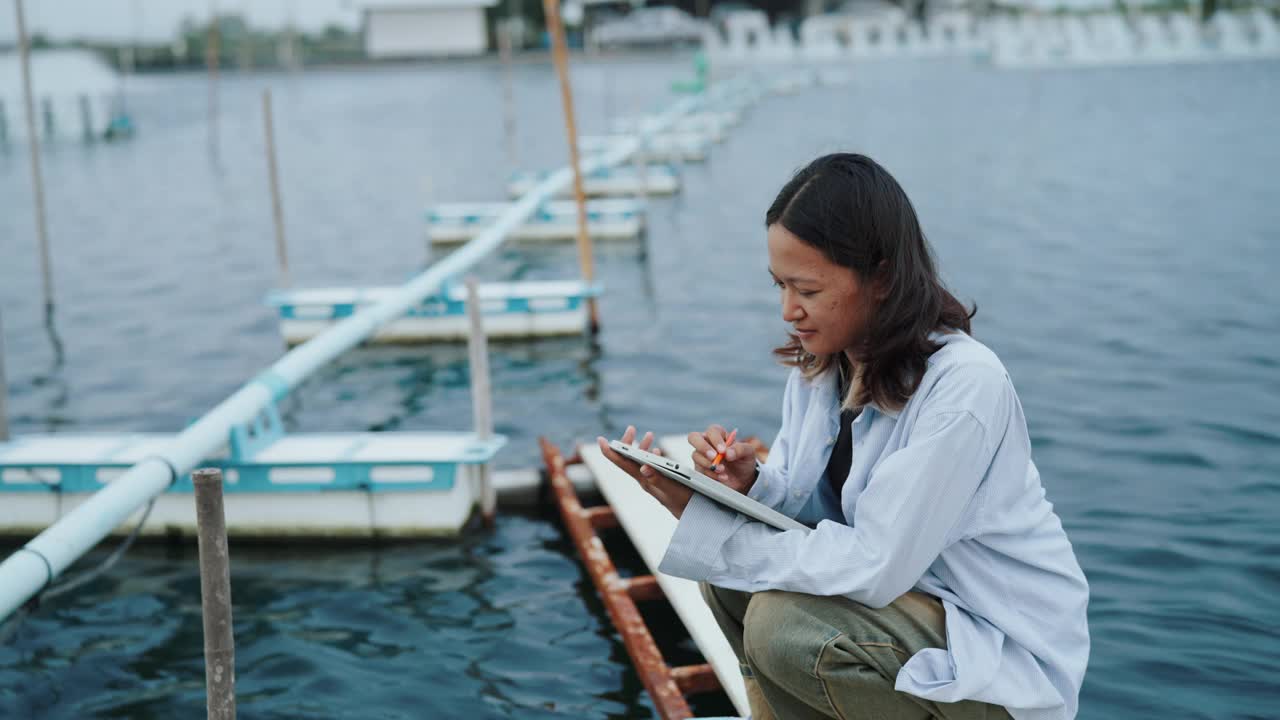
804	656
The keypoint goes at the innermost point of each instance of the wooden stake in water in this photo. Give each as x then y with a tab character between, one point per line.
4	125
215	595
277	207
481	395
560	55
33	142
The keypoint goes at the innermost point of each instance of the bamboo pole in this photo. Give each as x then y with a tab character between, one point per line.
481	395
215	596
560	55
33	143
277	207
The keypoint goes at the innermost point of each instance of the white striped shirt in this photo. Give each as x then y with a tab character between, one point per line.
942	498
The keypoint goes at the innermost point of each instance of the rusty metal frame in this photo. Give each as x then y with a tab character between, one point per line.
667	686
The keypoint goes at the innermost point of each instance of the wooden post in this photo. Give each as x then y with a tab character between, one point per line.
4	392
215	596
481	395
33	143
560	55
4	125
211	52
277	208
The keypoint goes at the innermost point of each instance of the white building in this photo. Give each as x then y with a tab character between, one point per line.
425	28
74	91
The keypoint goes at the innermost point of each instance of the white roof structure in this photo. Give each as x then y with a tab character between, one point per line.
425	28
57	74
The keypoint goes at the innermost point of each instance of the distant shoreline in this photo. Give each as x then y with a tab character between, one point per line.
527	57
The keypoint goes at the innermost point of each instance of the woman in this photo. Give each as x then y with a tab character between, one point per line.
938	582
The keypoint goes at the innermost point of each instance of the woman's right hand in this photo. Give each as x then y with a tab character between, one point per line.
737	470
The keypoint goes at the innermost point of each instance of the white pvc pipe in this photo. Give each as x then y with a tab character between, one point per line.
35	565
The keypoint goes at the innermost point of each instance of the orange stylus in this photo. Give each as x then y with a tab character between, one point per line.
728	443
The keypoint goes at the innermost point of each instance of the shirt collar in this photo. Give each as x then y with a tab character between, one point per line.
885	411
831	388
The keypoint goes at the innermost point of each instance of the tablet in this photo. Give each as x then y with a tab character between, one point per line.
704	485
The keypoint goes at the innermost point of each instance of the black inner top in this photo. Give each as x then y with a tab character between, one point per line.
842	454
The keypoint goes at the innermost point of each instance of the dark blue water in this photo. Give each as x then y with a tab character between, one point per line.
1118	229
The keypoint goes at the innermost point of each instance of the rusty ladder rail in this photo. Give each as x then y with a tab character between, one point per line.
667	685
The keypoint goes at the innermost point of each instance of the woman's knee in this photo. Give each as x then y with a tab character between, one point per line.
780	635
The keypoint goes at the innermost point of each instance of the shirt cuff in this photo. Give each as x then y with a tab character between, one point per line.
765	490
704	527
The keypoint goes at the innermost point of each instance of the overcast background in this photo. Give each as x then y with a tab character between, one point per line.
158	20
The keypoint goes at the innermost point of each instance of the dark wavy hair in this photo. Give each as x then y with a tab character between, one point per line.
852	209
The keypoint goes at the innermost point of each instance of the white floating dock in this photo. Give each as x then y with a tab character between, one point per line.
607	219
649	527
511	310
670	147
621	181
387	484
712	125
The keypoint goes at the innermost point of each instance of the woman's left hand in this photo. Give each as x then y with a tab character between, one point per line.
673	496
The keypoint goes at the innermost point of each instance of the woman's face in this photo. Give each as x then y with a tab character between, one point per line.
826	304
